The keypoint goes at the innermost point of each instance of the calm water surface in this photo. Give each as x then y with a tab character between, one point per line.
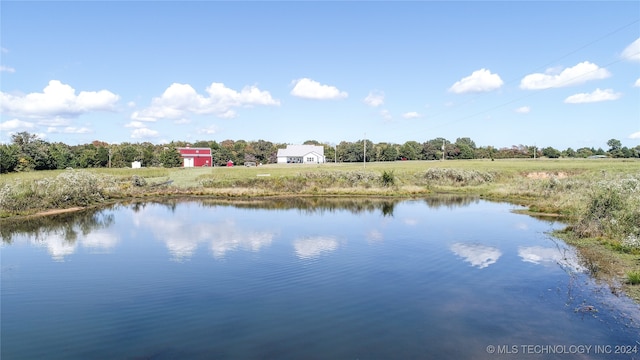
327	280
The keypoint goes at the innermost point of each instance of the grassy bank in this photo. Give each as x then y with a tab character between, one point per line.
600	199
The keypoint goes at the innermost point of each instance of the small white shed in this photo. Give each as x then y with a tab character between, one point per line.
136	165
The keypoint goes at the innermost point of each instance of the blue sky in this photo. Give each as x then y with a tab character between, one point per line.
561	74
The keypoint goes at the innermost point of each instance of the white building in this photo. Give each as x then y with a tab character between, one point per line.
301	154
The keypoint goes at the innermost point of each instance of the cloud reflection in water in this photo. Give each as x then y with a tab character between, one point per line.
60	243
548	255
183	238
478	255
313	247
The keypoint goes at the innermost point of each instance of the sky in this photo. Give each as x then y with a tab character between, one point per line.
560	74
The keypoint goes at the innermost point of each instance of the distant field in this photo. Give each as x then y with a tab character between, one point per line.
402	169
191	177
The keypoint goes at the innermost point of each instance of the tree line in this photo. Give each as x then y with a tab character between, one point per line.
29	152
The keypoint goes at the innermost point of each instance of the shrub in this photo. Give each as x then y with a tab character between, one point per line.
456	177
633	277
138	181
70	188
613	210
388	178
74	188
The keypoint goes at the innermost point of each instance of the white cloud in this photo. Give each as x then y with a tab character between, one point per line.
229	114
57	100
182	121
16	125
136	125
180	100
7	69
578	74
55	121
141	131
479	81
210	130
637	83
144	133
523	110
76	130
596	96
411	115
69	130
635	135
386	115
375	98
632	52
311	89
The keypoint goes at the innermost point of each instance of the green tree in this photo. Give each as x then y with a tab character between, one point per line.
264	151
614	145
354	152
466	148
569	152
551	153
8	157
385	152
224	153
584	152
61	155
86	156
329	153
124	154
239	147
411	150
147	154
102	157
170	157
484	152
466	141
34	152
432	149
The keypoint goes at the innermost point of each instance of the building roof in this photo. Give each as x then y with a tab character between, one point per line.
301	150
194	152
193	148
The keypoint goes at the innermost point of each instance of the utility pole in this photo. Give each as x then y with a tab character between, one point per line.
365	151
336	153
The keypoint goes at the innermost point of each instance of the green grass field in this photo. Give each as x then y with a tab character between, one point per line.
190	177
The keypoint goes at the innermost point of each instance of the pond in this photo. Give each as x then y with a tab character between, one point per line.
446	278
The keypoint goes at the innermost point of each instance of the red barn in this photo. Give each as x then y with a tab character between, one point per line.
195	157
